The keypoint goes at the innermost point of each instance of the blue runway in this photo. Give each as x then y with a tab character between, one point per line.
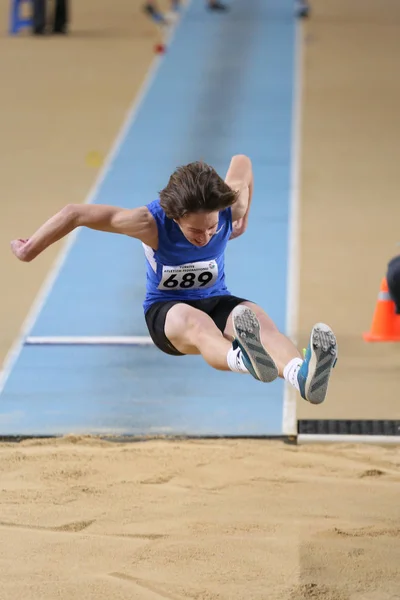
225	86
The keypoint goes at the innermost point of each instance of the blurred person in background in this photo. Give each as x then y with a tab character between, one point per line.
393	281
58	20
152	9
302	8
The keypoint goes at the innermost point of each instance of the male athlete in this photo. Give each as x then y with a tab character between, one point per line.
188	308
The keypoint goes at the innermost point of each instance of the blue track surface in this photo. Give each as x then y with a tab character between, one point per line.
224	87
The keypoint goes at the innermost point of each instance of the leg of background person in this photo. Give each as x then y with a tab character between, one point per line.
60	16
39	16
152	9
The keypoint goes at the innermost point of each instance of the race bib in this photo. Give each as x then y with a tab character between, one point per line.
190	276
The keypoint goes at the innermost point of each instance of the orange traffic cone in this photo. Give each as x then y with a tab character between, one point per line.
385	323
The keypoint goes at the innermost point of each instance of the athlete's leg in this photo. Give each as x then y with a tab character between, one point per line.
192	331
278	345
251	327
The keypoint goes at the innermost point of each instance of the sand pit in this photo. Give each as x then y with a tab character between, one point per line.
225	519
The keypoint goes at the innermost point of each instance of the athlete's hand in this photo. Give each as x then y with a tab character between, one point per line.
238	228
18	248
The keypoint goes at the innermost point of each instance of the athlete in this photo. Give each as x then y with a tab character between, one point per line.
188	307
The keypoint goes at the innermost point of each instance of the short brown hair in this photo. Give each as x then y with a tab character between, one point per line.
194	188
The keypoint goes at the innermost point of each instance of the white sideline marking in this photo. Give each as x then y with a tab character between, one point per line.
289	420
76	340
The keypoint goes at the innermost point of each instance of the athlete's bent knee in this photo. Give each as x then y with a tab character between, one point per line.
184	325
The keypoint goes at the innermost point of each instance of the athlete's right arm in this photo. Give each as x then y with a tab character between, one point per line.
136	222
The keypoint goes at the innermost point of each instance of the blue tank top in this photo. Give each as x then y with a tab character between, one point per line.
180	270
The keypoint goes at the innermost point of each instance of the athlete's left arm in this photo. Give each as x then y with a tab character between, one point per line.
240	178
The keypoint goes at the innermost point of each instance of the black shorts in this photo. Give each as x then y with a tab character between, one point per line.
218	308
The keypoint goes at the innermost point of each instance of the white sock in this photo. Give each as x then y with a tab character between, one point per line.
235	361
291	370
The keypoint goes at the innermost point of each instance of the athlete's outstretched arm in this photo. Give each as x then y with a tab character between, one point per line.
136	222
240	177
